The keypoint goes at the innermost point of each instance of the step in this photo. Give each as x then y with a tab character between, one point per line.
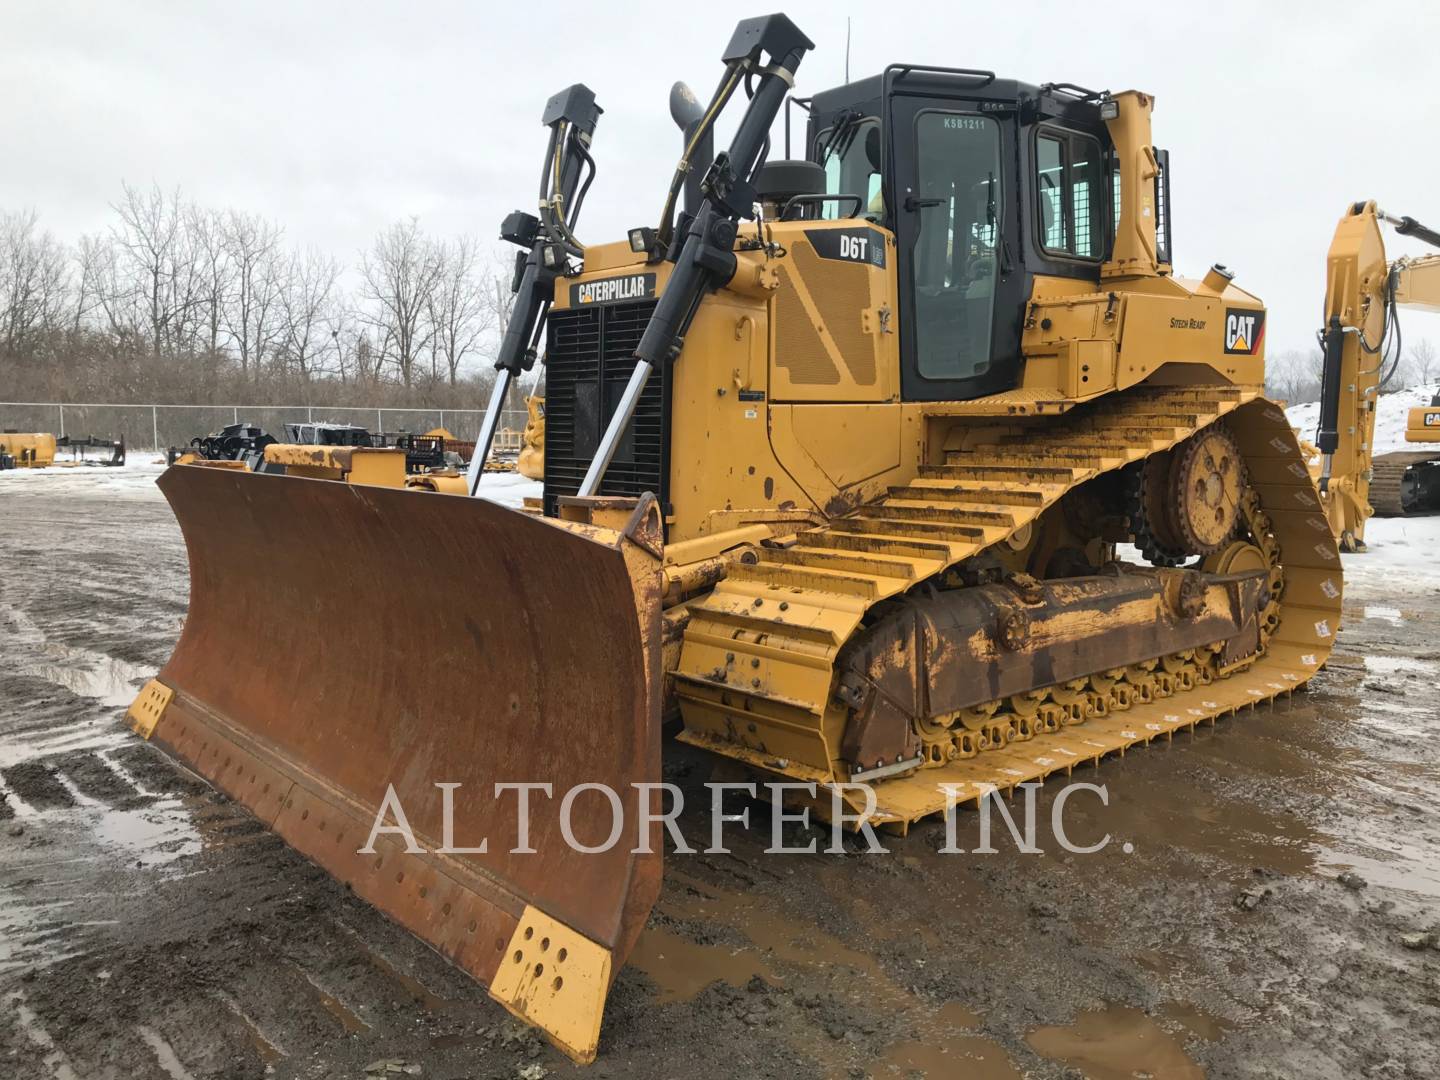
997	456
906	546
976	494
949	513
814	579
937	530
1036	474
874	563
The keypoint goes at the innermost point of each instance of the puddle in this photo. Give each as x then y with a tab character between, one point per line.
1116	1044
349	1019
1388	665
1196	1020
681	968
154	836
87	674
30	1024
1406	866
268	1049
164	1054
1390	615
20	747
946	1046
940	1042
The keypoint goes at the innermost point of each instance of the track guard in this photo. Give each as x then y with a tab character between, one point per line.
347	644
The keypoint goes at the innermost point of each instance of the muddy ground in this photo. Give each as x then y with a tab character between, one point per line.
1268	919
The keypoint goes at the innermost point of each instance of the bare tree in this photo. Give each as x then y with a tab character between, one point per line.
458	312
148	238
400	275
214	274
252	311
34	281
308	294
1424	361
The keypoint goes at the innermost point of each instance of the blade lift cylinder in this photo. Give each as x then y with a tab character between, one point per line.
703	256
548	244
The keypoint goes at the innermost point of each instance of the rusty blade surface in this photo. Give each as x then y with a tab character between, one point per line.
343	640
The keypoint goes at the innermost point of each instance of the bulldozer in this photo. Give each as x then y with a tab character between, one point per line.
842	456
1361	346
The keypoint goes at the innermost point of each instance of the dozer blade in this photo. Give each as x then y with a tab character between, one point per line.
349	648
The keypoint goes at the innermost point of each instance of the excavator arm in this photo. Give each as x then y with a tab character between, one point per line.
1361	342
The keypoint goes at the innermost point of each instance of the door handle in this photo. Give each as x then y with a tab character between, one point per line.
912	203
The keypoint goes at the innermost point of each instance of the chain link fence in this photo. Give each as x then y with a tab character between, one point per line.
155	427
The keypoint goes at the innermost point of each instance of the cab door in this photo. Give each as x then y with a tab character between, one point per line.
956	215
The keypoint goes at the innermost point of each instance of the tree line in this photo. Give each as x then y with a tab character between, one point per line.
178	302
1293	375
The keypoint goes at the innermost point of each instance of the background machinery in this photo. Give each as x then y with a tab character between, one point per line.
531	463
39	450
1408	481
1361	343
837	454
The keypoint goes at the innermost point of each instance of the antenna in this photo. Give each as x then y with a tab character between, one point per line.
847	48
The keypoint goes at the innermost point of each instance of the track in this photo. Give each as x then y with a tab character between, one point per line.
782	621
1387	484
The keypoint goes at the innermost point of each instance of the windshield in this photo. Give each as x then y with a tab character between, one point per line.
852	167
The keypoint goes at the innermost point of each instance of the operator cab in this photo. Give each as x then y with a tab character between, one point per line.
986	183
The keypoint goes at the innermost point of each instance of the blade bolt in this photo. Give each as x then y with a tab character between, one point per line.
758	601
784	605
755	661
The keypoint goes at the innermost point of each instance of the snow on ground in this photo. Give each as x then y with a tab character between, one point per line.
1405	549
1390	418
136	478
1408	546
509	489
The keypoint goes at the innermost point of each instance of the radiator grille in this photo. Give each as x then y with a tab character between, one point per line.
798	347
589	357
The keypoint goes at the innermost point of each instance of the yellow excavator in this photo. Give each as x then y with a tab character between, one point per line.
1361	345
838	454
1408	481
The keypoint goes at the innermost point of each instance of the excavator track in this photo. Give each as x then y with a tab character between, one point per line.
756	672
1392	495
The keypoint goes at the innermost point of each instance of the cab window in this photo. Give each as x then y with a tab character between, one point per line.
1069	177
852	167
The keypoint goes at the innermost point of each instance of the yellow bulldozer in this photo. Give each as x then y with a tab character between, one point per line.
840	456
1361	345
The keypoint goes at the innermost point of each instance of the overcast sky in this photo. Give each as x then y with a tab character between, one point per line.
339	118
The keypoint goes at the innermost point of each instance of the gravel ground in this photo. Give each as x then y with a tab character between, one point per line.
1273	915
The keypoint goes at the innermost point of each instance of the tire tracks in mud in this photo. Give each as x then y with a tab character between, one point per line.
149	929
